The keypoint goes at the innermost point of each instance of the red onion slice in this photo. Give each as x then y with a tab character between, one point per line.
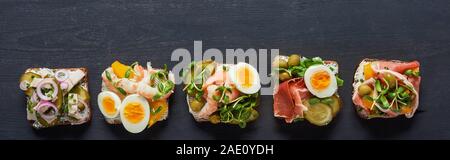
44	82
34	97
24	85
61	75
43	107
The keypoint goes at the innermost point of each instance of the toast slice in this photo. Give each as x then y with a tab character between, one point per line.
117	120
72	100
292	114
369	70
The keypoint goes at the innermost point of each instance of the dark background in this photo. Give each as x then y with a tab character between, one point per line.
83	33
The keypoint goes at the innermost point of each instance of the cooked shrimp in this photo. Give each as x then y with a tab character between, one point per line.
127	85
139	73
220	77
144	88
109	83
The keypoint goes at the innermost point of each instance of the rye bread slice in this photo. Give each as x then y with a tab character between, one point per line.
84	83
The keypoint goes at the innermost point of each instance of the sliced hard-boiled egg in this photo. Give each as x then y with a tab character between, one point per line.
109	104
245	77
135	113
320	81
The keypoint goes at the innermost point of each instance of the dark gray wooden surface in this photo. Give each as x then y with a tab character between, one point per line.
84	33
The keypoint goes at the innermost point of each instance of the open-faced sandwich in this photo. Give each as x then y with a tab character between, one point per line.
56	96
386	89
307	89
134	96
222	93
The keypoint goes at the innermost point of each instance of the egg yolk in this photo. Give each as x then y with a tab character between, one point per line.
320	80
134	112
109	105
245	77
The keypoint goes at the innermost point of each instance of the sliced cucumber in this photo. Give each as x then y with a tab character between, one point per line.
81	92
319	114
44	123
336	105
59	100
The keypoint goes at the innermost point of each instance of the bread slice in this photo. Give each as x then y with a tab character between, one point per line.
359	78
79	81
116	120
329	63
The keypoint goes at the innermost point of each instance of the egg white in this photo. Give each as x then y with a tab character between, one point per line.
324	93
114	97
256	85
138	127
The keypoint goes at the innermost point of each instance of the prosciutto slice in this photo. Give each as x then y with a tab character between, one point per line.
288	98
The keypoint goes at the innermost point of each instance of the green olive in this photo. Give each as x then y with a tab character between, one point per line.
364	90
284	76
294	60
280	63
391	80
196	105
214	119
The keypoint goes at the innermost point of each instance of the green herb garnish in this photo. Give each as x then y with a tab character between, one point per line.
314	101
121	91
160	80
412	73
240	111
128	73
340	82
327	101
154	112
108	76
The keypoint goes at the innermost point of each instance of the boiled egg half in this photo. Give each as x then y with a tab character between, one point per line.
134	113
245	77
320	81
109	104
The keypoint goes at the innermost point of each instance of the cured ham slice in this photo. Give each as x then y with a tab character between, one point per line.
401	67
288	98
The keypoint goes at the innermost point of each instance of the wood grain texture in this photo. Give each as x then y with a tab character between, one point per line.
92	34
